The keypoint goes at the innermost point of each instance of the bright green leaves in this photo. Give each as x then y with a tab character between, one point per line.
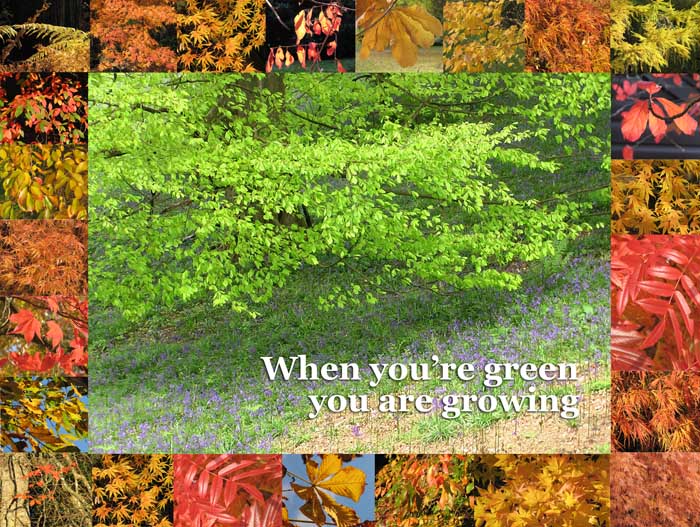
225	187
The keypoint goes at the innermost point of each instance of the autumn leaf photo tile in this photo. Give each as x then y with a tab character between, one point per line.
467	490
133	35
44	335
656	411
37	35
221	35
567	36
43	181
43	108
654	489
328	489
399	37
654	301
51	489
655	116
228	489
484	35
43	257
655	196
134	490
39	414
310	36
654	36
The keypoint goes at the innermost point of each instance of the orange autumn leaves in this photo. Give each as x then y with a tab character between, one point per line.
655	112
493	490
655	196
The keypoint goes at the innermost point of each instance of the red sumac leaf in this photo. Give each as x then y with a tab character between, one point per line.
675	256
654	305
690	288
655	335
685	312
677	334
657	288
665	271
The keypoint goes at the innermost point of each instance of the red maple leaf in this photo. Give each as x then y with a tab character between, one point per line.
54	334
33	362
27	325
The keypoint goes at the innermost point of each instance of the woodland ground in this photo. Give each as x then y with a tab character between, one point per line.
191	383
190	379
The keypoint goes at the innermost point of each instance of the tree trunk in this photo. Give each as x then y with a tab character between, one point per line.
14	512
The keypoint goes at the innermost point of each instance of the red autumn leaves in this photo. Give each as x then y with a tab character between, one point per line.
50	344
649	110
316	30
655	302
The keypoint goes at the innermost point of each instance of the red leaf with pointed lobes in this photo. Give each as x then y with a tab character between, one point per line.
54	334
27	325
340	67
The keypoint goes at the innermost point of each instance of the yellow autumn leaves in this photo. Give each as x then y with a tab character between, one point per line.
404	29
43	181
325	479
477	37
655	197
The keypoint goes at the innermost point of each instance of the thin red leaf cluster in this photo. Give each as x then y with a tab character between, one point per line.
228	489
649	114
37	492
655	296
48	335
316	31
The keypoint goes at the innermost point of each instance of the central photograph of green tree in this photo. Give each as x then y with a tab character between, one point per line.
356	218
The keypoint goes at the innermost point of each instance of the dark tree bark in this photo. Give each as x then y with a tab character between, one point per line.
67	13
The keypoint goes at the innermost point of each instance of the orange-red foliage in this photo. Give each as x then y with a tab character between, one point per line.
655	411
131	33
46	335
43	257
39	108
230	489
655	293
655	489
567	35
